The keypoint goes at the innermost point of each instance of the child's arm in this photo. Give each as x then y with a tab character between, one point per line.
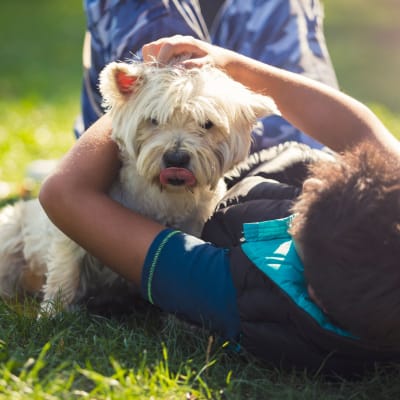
76	196
178	272
76	200
326	114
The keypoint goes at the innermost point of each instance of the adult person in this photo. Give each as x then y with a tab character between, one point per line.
280	309
285	33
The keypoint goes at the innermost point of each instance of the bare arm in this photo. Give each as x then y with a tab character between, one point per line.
76	200
76	196
326	114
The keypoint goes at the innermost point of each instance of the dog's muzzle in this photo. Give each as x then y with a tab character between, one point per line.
176	172
177	177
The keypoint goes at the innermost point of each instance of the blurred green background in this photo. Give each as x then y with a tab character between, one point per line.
363	37
40	70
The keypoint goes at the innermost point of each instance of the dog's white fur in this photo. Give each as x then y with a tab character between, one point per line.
178	132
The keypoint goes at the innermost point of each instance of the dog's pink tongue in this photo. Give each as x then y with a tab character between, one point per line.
177	177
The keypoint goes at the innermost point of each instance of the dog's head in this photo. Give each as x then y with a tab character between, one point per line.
180	127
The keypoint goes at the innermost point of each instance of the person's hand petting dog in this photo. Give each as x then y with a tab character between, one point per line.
197	52
328	115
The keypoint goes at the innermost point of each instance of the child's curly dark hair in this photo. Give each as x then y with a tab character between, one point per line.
348	230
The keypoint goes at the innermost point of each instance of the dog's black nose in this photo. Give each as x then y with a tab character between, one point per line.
176	158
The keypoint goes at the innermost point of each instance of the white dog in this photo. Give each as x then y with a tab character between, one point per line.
178	132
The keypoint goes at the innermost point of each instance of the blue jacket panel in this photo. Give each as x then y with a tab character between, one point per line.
279	323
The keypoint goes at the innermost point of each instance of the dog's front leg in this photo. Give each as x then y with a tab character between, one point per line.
64	267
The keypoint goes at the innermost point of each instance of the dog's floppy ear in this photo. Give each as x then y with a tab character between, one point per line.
118	80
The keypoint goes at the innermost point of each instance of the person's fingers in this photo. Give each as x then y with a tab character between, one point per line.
166	49
196	62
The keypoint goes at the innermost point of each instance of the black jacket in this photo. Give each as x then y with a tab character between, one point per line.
274	328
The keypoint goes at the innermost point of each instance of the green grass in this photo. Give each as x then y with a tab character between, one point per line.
142	356
85	356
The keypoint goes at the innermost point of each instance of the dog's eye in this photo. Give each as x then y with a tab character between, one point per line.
154	121
207	125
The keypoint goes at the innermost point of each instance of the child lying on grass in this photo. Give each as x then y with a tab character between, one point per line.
312	282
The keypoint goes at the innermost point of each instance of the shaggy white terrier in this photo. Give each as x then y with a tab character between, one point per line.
178	132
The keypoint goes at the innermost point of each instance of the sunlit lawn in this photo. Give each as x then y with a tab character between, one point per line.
83	356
